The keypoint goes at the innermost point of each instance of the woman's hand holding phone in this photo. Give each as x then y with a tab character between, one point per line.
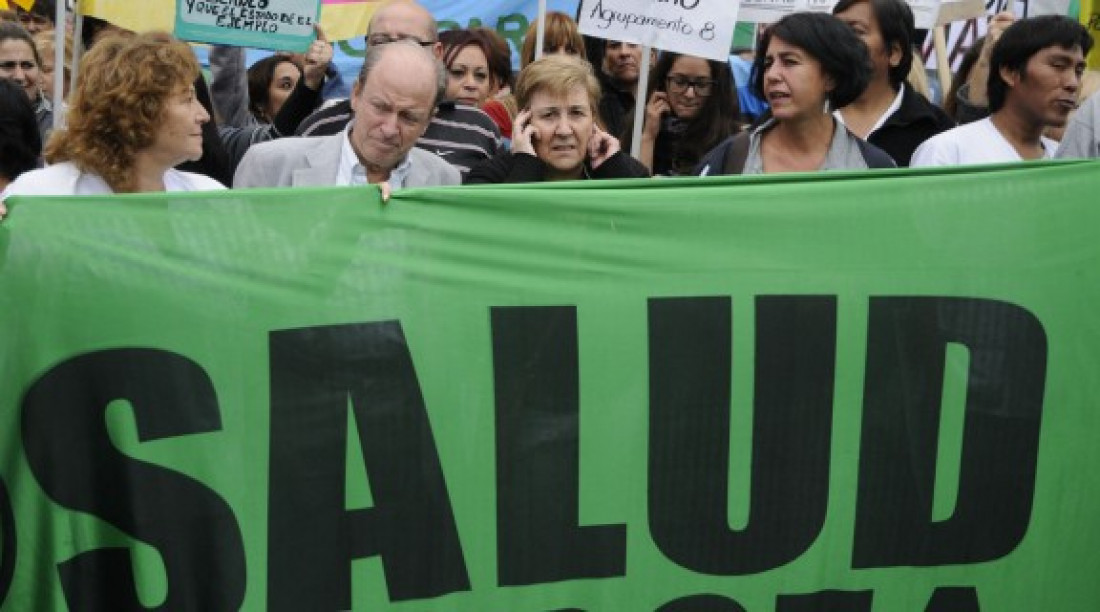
524	134
657	107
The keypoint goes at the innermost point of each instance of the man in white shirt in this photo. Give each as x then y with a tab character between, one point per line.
393	100
1034	76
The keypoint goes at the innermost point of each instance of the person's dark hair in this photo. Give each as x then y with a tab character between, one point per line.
375	53
13	31
1023	39
500	61
44	8
260	76
895	23
89	28
842	55
717	118
20	143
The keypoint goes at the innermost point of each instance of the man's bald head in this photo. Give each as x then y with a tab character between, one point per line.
405	56
401	19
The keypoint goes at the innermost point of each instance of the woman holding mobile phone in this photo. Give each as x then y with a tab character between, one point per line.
557	136
693	108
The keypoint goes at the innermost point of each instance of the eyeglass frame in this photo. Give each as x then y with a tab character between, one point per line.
703	87
25	65
25	17
390	39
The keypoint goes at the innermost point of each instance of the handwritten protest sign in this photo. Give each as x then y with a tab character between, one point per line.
270	24
770	11
703	28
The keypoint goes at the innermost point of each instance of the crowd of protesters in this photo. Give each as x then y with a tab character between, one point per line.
824	92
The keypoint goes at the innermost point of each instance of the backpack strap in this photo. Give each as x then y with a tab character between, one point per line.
738	154
874	156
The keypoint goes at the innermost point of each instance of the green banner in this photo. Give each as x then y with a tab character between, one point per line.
858	391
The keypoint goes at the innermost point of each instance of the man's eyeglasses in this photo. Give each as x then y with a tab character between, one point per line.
11	65
678	85
32	18
385	39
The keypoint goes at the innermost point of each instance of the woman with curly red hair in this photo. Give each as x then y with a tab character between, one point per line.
132	118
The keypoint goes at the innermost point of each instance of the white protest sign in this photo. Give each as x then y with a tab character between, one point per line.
703	28
770	11
960	10
925	13
268	24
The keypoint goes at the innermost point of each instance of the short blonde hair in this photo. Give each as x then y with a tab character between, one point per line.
557	75
45	40
118	105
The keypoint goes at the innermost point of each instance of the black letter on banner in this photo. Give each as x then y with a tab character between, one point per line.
826	601
954	599
702	603
7	542
70	453
689	384
906	341
535	374
316	375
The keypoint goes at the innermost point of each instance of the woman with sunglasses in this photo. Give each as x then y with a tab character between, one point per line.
809	65
692	109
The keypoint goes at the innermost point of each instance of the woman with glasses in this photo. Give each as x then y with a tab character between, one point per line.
693	108
810	64
19	62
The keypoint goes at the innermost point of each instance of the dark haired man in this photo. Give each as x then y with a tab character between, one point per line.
1034	77
889	114
38	18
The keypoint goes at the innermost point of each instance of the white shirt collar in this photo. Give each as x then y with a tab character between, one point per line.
351	172
889	112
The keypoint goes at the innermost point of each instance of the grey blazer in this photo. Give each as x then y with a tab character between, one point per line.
313	162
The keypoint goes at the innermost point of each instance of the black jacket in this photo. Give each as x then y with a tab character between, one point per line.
508	167
915	121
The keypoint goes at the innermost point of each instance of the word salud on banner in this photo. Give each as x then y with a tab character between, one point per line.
664	395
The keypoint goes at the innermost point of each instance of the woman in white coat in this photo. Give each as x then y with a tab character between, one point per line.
133	117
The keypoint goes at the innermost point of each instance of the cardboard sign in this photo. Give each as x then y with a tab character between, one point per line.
770	11
285	25
703	28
